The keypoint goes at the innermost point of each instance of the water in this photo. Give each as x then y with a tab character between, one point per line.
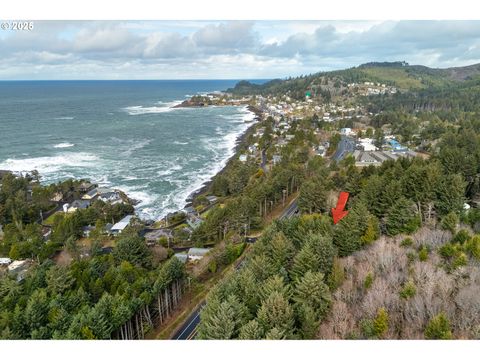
122	134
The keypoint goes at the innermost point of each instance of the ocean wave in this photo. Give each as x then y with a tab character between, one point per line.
142	110
50	164
63	145
180	142
64	118
134	145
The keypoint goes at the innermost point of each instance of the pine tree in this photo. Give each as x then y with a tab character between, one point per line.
305	260
348	232
273	284
251	331
281	250
402	218
438	328
309	321
223	320
324	250
276	312
311	290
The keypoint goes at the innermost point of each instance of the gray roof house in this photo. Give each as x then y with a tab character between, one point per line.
121	225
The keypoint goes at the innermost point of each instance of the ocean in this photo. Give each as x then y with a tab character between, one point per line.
120	134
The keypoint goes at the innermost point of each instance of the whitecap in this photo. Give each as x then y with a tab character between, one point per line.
65	118
141	110
50	164
63	145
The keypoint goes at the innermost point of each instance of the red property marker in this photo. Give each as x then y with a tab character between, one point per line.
339	213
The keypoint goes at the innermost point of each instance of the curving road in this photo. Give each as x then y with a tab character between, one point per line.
188	330
345	146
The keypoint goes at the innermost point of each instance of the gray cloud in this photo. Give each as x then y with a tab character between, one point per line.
232	49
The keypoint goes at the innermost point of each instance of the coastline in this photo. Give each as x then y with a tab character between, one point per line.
240	142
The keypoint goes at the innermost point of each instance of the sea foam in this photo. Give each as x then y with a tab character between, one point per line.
63	145
141	110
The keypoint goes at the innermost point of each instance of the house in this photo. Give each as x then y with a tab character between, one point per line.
195	254
46	233
111	197
396	146
86	230
19	268
194	221
108	228
320	150
367	144
346	131
5	261
121	225
76	205
190	210
97	192
85	187
243	158
212	199
57	197
152	237
276	159
183	257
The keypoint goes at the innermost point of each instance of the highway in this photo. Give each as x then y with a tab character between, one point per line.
189	327
345	146
188	330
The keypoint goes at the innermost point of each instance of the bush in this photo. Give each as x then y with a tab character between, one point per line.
438	328
472	246
449	222
408	290
212	267
380	323
407	242
367	283
423	254
461	237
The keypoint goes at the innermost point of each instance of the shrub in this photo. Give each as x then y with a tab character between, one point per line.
438	328
212	266
408	290
336	278
407	242
380	323
367	283
449	222
472	246
423	254
461	237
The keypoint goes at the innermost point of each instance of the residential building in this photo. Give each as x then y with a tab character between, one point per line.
195	254
121	225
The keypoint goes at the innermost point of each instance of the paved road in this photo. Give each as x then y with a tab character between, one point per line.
345	146
290	211
188	330
189	327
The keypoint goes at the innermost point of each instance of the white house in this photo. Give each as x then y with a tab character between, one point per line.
367	144
121	225
243	158
346	131
5	261
19	268
195	254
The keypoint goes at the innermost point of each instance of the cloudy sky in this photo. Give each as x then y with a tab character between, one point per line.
227	49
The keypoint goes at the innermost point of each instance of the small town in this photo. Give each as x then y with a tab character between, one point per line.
236	180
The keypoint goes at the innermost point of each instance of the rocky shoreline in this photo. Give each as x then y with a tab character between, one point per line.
239	143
